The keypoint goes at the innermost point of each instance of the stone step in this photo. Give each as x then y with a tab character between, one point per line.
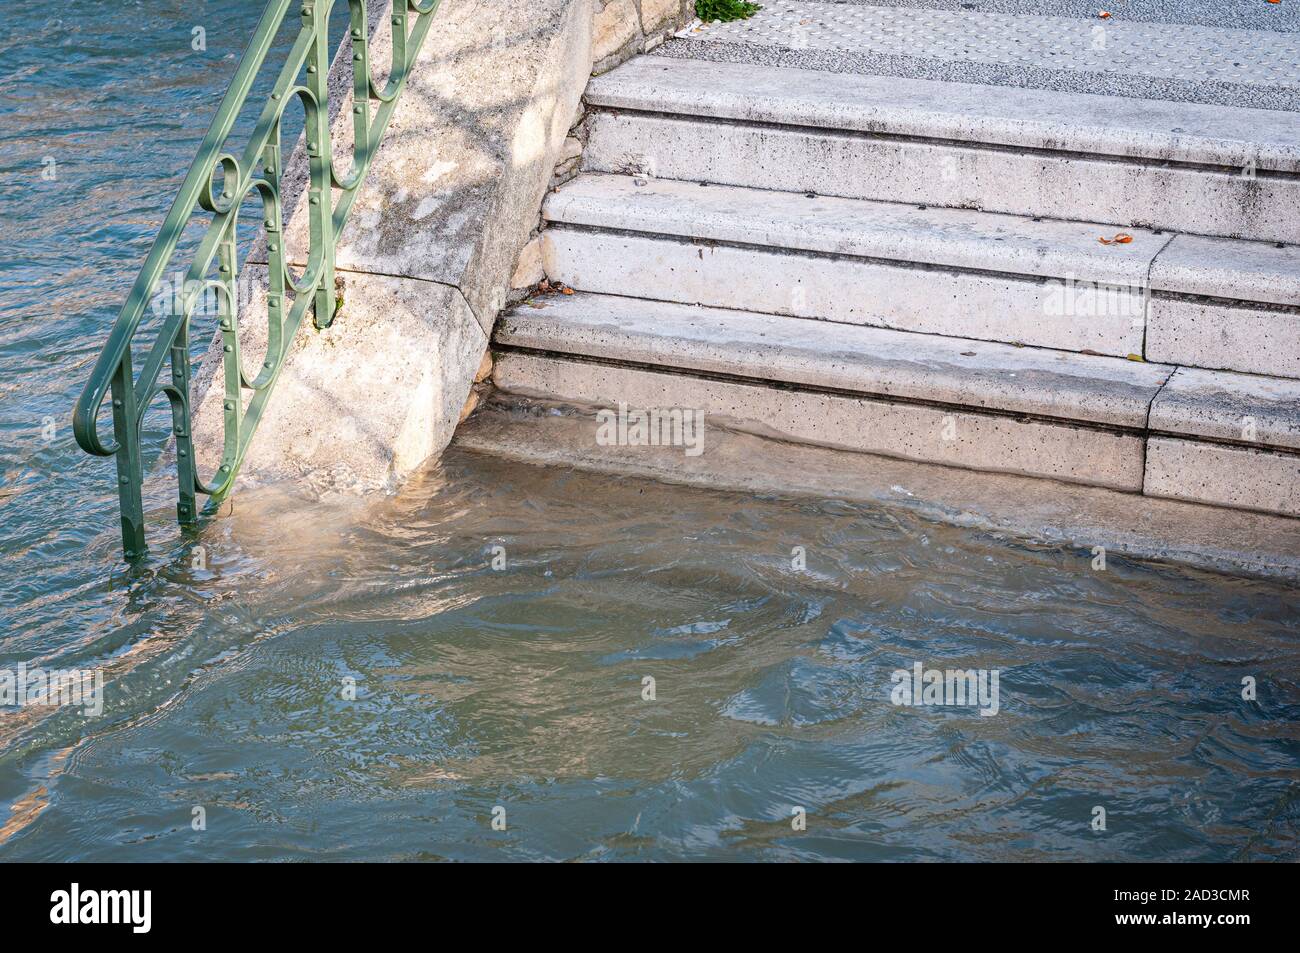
1187	167
845	358
1226	304
912	396
1249	452
1202	436
1222	475
1073	519
943	271
909	431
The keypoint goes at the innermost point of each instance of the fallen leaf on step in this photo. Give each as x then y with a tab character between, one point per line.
1106	16
566	290
1137	357
1123	238
1088	350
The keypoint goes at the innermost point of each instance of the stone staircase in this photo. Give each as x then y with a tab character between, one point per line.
914	268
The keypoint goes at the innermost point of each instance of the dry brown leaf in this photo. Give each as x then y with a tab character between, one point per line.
1106	16
1123	238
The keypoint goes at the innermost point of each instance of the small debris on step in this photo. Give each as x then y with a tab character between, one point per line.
1123	238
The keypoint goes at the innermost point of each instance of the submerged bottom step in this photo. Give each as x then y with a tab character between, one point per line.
1039	511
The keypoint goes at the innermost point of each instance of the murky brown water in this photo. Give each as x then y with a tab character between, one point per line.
523	687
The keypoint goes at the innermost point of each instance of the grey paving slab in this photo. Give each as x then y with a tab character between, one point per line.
1174	61
1238	14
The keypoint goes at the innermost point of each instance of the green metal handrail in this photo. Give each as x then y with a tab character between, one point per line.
303	76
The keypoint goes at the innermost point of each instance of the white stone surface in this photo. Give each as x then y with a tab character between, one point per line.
884	230
529	270
454	188
366	401
1215	334
868	361
1224	268
1223	476
964	112
614	25
435	233
986	307
909	431
1240	407
1063	185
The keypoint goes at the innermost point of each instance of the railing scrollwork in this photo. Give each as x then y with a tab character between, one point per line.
220	183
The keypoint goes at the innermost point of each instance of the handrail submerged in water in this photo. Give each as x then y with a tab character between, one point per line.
303	77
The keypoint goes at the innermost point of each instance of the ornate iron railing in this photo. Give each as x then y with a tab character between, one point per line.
303	77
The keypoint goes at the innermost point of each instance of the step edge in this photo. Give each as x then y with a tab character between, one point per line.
613	91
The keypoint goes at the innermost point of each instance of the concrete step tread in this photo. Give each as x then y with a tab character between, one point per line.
1230	268
1155	130
956	238
859	227
1227	406
840	357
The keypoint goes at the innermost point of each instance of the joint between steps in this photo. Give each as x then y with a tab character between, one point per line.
1146	310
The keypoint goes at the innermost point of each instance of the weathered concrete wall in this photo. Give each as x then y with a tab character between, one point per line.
426	259
621	29
624	28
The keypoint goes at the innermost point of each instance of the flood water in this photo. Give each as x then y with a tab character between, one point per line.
331	679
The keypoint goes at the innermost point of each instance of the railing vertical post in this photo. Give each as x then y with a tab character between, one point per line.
186	475
320	158
130	471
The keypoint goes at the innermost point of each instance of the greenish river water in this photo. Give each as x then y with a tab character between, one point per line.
337	680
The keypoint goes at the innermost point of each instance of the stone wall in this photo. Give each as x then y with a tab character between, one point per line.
442	231
623	28
425	261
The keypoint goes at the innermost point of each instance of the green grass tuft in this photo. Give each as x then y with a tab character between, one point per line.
725	10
